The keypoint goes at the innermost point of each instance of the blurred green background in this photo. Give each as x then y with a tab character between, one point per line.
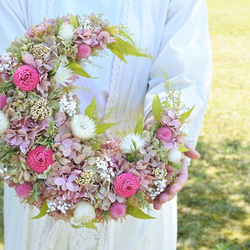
213	208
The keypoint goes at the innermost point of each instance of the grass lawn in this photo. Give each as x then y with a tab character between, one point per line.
213	208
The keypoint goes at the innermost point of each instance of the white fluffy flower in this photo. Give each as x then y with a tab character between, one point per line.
175	155
130	141
84	213
67	32
82	127
63	74
68	105
4	122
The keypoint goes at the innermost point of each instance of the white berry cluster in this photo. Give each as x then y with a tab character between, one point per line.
56	205
68	105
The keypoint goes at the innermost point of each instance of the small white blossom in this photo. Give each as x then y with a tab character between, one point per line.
54	205
67	32
68	105
84	213
4	122
82	127
175	155
63	75
132	142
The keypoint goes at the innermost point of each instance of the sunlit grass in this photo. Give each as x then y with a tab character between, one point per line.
214	206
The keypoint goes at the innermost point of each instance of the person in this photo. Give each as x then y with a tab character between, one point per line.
176	33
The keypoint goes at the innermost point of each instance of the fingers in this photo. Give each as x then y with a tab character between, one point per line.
192	154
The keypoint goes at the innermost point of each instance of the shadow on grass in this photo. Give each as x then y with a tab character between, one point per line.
212	208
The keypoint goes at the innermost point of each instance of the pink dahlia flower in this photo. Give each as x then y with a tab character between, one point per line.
23	190
126	184
164	134
39	159
117	209
3	101
84	51
26	78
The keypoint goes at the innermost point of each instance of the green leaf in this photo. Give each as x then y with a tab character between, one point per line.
157	108
183	149
138	213
100	128
139	126
73	21
90	110
186	115
125	35
90	225
117	53
76	68
43	211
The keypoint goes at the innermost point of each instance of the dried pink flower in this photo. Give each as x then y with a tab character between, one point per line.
39	158
3	101
164	134
26	78
23	190
84	51
117	210
126	184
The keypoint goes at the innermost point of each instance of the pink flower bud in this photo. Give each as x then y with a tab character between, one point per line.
3	99
117	210
23	190
84	51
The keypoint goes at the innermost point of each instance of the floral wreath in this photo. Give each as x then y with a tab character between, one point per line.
59	160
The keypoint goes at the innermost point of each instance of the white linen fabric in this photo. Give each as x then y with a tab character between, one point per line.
176	33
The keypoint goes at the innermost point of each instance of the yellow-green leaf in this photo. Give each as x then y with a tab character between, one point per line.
90	225
139	126
117	53
76	68
137	213
186	115
100	128
125	35
73	21
90	110
43	211
183	149
157	108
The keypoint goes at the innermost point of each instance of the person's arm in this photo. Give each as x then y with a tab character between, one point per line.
185	55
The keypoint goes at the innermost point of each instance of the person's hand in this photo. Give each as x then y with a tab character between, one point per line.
182	175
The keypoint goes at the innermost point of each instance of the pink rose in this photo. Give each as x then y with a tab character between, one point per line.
126	184
39	159
164	134
26	78
84	51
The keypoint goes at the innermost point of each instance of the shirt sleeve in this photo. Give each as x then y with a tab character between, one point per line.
185	54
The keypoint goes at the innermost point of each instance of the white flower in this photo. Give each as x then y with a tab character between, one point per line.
63	74
175	155
132	142
68	105
4	122
84	213
67	32
82	127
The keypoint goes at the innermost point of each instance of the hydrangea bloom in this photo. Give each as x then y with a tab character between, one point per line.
39	159
126	184
26	78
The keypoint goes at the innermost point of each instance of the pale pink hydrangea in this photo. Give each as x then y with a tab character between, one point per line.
26	78
126	184
23	190
40	158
